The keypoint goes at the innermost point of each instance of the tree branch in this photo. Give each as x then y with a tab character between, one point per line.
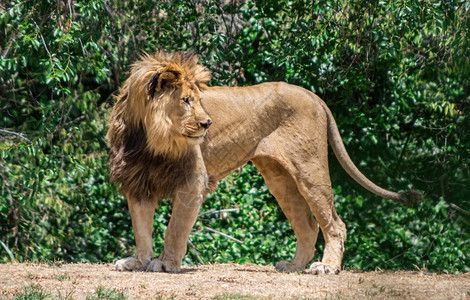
18	134
213	211
223	234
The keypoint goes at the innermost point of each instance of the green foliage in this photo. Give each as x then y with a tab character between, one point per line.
419	237
55	188
395	74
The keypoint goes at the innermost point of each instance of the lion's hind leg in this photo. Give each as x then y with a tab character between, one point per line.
320	199
142	213
283	187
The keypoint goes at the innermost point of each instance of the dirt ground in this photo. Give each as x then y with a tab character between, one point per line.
226	281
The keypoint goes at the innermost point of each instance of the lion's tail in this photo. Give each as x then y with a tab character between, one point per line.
334	137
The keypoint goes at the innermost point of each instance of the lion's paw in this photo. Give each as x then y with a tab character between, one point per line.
128	264
157	265
285	266
318	268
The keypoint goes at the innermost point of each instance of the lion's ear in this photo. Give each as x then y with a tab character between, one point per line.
168	78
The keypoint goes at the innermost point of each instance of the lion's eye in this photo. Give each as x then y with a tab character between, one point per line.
185	100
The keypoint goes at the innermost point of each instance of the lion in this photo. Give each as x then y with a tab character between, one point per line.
173	137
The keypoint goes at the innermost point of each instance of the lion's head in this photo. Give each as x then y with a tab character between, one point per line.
162	95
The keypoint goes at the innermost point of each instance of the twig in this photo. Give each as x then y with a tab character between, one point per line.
10	254
459	209
213	211
196	252
43	41
224	235
397	256
74	120
18	134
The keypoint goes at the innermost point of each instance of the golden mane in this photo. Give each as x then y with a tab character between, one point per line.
145	145
134	106
192	72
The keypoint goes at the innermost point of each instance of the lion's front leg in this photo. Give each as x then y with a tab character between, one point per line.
185	210
142	213
186	204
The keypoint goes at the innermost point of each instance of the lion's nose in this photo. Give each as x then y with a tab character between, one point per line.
206	124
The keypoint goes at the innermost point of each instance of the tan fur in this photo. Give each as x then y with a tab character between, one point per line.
283	129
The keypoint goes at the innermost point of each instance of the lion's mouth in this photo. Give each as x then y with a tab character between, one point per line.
195	137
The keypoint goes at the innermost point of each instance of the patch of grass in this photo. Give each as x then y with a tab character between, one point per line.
108	294
32	276
37	292
160	297
335	297
376	290
68	296
33	292
62	277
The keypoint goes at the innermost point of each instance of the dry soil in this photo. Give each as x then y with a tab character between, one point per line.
227	281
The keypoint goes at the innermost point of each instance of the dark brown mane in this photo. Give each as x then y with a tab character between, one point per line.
144	175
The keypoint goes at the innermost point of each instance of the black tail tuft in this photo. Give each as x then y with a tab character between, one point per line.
411	197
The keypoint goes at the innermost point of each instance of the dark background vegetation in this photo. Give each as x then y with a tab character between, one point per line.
396	75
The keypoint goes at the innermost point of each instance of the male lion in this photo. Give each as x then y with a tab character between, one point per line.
162	147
